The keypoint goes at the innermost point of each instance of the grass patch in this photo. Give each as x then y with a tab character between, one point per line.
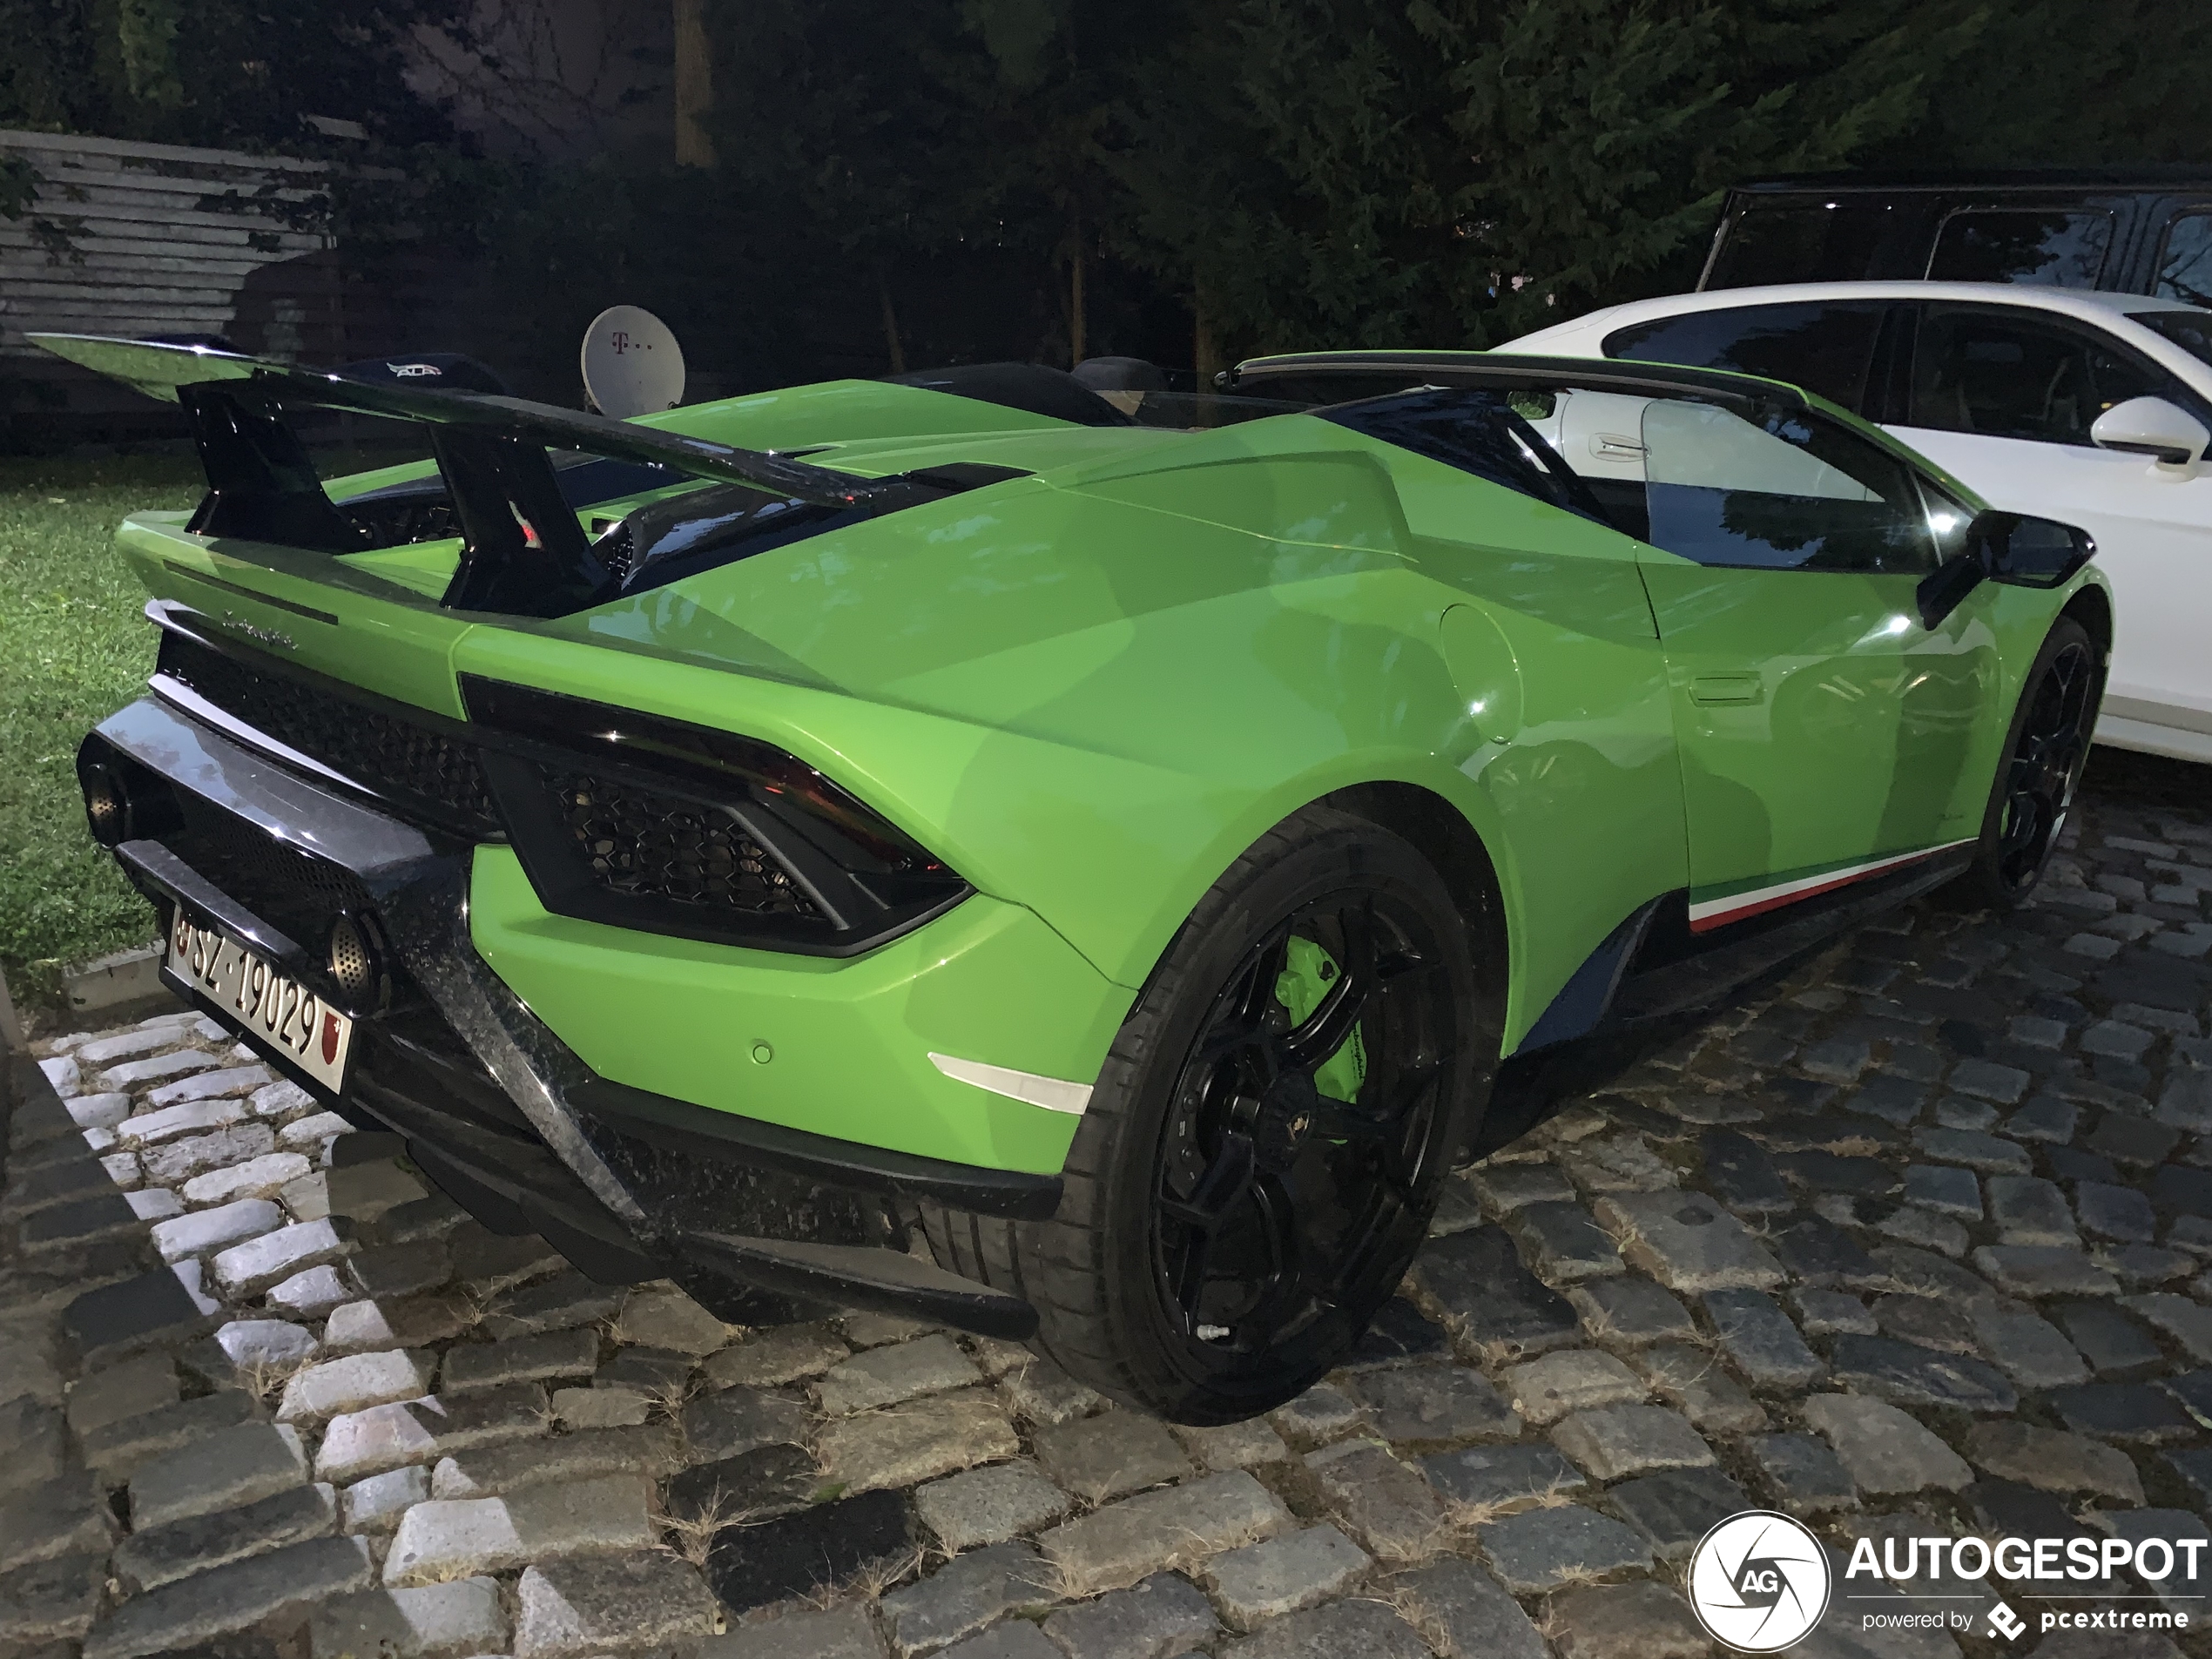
73	648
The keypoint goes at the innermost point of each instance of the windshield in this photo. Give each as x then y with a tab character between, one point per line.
2191	330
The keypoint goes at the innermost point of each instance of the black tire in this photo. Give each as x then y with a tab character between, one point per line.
1196	1175
2044	753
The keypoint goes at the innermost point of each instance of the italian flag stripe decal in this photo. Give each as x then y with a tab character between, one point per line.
1705	914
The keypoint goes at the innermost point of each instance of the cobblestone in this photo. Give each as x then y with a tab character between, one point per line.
235	1597
1882	1448
1540	1549
64	1515
969	1592
668	1318
1643	1621
573	1609
360	1444
1176	1526
1110	1455
1164	1615
223	1470
1489	1480
990	1505
1687	1242
1387	1507
117	1450
1674	1510
516	1466
1806	1475
539	1358
458	1539
434	1622
930	1365
1284	1574
1365	1627
737	1419
260	1177
154	1556
1631	1312
786	1355
1759	1338
916	1443
1546	1389
353	1383
312	1294
127	1389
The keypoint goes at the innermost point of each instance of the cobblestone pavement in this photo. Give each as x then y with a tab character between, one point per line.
1915	1242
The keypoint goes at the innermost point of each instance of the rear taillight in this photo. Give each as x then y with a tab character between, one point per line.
654	824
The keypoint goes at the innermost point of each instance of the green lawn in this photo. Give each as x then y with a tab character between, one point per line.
73	647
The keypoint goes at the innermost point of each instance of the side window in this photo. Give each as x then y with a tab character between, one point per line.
1794	240
1792	491
1484	433
1825	348
2008	374
2058	250
2185	262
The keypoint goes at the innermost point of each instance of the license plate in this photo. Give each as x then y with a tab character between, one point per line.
280	1010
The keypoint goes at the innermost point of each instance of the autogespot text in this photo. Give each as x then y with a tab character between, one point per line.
2023	1563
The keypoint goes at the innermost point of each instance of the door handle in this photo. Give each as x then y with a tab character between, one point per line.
1725	688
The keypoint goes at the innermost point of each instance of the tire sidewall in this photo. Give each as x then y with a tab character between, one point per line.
1983	885
1334	851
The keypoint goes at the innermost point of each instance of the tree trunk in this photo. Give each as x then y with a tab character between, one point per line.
1078	348
694	85
897	352
1206	351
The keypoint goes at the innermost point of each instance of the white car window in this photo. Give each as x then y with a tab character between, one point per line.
1791	491
2185	263
2004	374
1706	447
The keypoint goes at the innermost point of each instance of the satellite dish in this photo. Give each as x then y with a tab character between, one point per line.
632	363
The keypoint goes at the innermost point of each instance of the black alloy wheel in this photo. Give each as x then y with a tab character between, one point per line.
1266	1144
1277	1196
2041	766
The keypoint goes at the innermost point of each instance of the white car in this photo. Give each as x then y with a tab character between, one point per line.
2093	408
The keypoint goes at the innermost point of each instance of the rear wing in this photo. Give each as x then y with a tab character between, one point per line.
523	552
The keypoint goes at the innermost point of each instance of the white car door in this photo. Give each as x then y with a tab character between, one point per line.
2004	397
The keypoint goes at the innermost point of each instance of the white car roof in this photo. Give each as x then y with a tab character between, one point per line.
2088	305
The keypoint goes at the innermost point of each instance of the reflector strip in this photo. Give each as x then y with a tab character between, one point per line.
1738	906
1050	1093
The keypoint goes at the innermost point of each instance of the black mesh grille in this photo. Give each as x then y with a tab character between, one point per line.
380	750
290	889
645	845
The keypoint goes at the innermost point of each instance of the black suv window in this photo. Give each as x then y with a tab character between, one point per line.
1824	348
2057	250
2008	374
2185	263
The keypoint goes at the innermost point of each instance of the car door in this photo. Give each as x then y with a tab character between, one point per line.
1824	734
2003	397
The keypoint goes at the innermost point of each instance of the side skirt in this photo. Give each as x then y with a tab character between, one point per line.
1672	978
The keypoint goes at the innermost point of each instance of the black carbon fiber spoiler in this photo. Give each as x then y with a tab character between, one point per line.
524	552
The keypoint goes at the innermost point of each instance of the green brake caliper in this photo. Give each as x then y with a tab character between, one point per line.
1308	972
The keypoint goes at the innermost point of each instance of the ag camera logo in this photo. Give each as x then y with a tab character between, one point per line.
1759	1581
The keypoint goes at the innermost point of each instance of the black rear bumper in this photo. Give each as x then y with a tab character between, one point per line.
493	1107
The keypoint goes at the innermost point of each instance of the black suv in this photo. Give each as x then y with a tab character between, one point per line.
2134	231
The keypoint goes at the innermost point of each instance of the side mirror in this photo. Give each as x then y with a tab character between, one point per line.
2174	438
2010	548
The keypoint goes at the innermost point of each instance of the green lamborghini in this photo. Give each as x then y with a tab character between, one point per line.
1081	874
